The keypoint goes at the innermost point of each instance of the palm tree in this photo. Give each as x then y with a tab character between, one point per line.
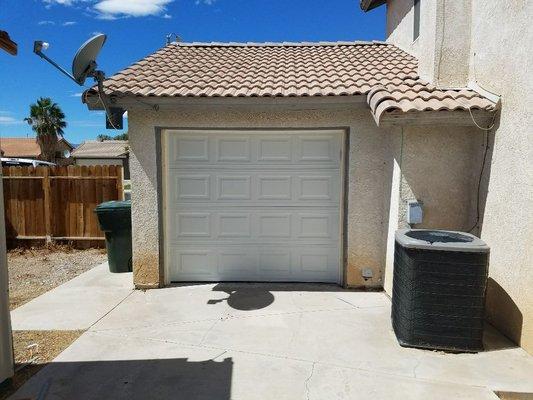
47	121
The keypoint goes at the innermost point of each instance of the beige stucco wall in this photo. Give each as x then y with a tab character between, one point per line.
443	47
501	62
372	153
438	166
489	42
6	347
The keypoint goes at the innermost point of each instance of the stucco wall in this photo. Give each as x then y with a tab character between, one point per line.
443	47
501	62
372	153
438	166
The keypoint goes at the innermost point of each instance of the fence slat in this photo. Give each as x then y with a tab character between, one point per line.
57	202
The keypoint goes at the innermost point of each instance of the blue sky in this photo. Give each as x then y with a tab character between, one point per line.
136	28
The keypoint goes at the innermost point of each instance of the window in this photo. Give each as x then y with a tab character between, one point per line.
416	27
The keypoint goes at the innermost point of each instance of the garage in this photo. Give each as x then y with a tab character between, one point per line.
252	205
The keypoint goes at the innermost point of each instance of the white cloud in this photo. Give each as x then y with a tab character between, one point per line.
69	23
112	9
46	23
7	120
76	94
62	2
125	115
206	2
167	16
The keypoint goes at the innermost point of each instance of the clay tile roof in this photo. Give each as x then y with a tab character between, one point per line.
385	73
20	147
415	95
105	149
263	70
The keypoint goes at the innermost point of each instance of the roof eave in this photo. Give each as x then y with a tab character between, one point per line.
128	102
456	117
367	5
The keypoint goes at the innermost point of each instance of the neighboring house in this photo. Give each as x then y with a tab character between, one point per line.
107	152
29	148
294	161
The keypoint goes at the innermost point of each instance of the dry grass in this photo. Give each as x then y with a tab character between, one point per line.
33	350
35	271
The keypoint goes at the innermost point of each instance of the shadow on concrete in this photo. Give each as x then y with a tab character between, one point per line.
502	312
132	380
248	296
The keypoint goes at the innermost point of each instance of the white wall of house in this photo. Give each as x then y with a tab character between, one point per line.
488	42
6	346
372	153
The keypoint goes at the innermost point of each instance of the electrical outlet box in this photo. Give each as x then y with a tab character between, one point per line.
367	273
414	212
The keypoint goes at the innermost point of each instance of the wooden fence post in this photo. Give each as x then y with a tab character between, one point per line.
47	199
120	183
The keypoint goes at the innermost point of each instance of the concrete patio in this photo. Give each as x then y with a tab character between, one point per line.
259	341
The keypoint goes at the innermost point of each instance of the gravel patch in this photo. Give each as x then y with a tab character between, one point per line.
33	272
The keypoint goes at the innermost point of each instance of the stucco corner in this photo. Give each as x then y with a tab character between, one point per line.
146	271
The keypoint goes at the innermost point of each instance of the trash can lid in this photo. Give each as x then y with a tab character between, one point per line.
435	239
114	205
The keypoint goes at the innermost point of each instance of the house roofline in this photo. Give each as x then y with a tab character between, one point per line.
367	5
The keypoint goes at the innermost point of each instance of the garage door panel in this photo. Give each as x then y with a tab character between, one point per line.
255	226
245	263
233	149
253	205
275	188
274	149
233	225
254	149
189	149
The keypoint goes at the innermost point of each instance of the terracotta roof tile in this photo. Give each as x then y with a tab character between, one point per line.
382	71
20	147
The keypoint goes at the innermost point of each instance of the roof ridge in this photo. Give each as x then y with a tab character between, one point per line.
280	44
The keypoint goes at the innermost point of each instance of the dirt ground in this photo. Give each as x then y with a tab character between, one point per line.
33	351
33	272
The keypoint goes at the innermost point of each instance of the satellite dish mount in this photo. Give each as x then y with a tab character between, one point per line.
84	66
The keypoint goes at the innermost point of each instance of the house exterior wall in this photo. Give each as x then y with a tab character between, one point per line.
487	42
6	346
439	167
443	47
501	62
371	153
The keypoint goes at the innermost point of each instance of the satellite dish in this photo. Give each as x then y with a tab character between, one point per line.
84	63
84	66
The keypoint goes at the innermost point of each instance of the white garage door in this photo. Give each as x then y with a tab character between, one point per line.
252	205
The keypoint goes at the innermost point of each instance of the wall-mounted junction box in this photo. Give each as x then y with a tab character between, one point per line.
414	212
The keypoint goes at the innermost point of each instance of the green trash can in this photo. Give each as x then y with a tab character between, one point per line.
115	221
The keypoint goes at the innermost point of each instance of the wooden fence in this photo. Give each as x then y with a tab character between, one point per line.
58	203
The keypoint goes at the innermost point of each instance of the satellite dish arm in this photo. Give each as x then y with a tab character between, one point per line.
37	49
99	78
